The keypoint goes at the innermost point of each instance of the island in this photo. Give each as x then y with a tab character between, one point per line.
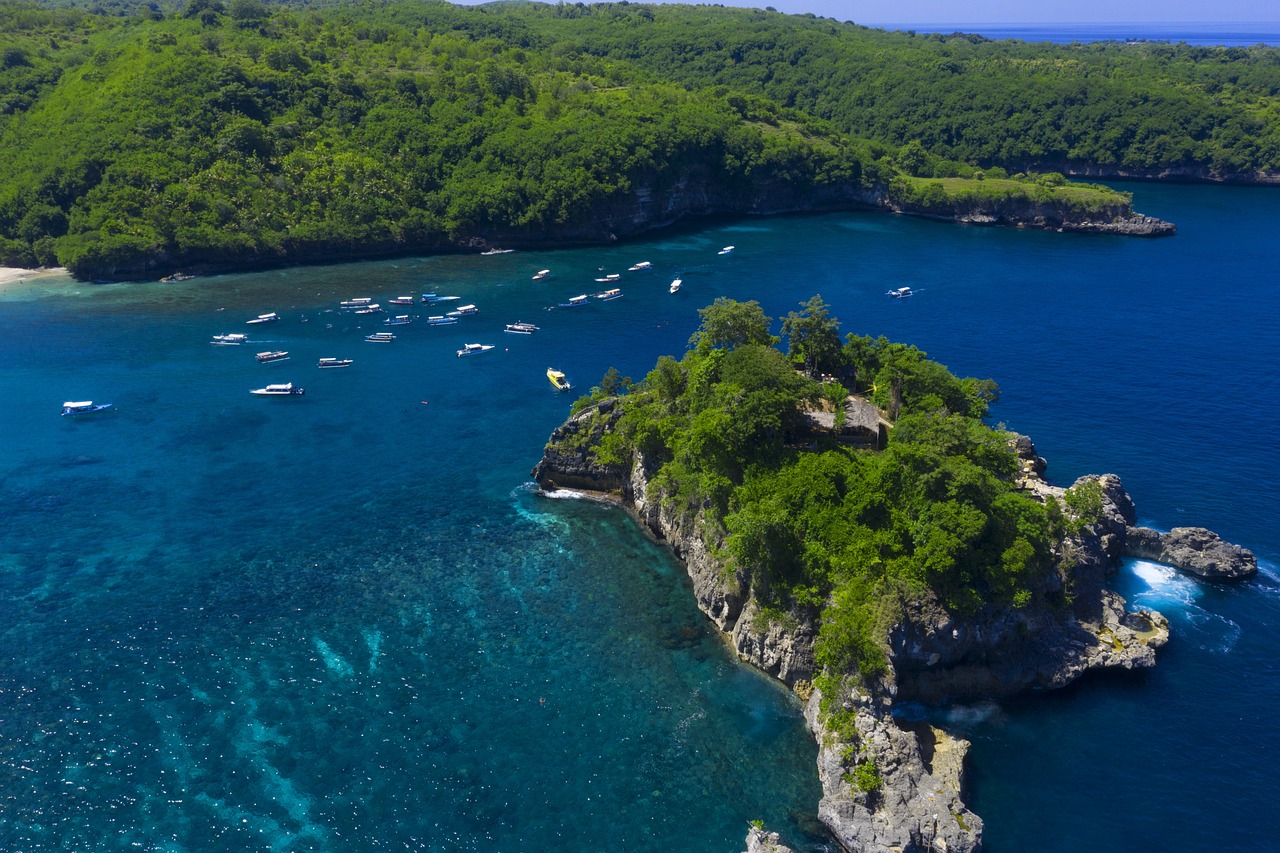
854	528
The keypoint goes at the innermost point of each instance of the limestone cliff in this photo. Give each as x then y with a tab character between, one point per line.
935	655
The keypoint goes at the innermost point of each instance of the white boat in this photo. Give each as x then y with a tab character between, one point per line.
441	321
496	251
575	300
178	276
358	302
234	339
326	363
472	349
521	328
380	338
84	407
558	380
371	308
675	285
643	265
400	300
433	298
541	274
468	309
398	320
285	390
272	355
727	250
606	295
613	276
900	292
263	318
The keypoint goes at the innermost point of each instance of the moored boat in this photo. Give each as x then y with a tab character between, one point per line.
521	328
541	274
472	349
468	309
233	339
380	338
727	250
398	320
400	300
263	318
643	265
557	379
83	407
284	390
358	302
606	295
326	363
497	251
613	276
675	285
574	301
441	321
178	276
272	355
371	308
900	292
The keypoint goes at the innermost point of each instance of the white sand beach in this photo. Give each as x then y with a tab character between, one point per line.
12	274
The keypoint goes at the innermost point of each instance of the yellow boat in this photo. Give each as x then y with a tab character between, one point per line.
557	379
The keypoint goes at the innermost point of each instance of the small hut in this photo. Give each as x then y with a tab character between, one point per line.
863	425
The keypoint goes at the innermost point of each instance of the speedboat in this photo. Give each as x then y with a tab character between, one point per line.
900	292
371	308
472	349
433	298
675	285
643	265
521	328
263	318
285	390
334	362
358	302
234	339
557	379
727	250
380	338
468	309
441	321
178	276
606	295
86	407
272	355
398	320
400	300
613	276
575	300
497	251
541	274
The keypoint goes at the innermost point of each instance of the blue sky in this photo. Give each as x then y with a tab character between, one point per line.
874	12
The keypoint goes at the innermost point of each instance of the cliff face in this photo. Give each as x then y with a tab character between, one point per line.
935	655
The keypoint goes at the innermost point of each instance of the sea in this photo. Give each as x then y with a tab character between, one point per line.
1201	33
347	621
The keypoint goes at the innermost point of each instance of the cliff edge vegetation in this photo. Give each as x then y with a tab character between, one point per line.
224	136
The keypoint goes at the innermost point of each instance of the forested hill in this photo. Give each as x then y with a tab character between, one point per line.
240	134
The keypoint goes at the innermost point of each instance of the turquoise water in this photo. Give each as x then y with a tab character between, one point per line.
344	621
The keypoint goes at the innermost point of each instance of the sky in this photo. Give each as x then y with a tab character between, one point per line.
877	12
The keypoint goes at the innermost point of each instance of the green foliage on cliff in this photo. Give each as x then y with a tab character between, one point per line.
815	524
248	133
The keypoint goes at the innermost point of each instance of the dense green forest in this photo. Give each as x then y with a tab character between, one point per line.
143	138
817	525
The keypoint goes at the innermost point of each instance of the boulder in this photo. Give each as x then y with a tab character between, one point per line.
1191	549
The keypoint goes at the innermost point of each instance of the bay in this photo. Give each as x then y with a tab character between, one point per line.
345	621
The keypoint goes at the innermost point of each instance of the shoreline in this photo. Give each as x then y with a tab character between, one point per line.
18	275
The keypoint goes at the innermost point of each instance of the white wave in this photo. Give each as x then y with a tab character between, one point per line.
1164	584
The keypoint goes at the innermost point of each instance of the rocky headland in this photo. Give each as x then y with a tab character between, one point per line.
935	656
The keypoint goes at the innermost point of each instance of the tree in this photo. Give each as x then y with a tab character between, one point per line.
814	336
727	323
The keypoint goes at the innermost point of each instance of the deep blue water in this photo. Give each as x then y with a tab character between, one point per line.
1226	34
344	621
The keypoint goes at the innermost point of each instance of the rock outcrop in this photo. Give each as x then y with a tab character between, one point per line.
935	655
760	841
1191	549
